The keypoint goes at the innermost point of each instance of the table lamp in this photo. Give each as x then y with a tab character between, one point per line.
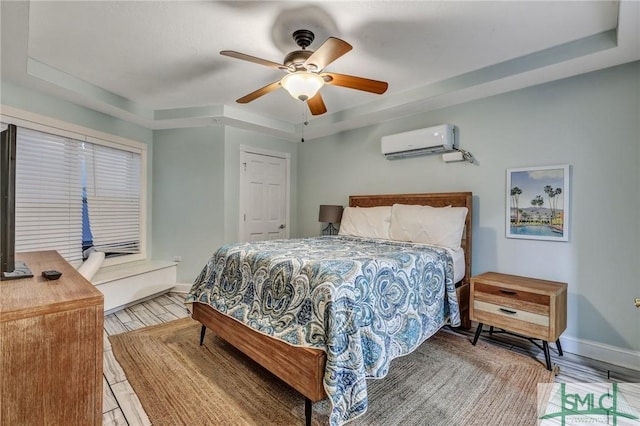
330	215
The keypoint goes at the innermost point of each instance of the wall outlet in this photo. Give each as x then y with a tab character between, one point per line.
177	258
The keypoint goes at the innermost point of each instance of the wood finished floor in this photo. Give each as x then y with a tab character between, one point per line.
122	407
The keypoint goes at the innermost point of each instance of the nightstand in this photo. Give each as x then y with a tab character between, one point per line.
527	307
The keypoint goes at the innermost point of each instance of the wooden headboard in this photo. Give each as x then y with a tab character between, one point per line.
443	199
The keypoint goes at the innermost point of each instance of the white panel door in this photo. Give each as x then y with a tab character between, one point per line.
263	197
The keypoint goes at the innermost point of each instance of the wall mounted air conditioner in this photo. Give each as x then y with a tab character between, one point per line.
432	140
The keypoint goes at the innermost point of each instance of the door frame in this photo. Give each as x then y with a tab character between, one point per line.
245	149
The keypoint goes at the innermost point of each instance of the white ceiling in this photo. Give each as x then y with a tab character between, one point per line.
157	63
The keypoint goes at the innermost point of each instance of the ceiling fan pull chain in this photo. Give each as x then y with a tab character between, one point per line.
305	121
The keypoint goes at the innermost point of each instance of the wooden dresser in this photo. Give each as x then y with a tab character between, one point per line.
51	339
533	308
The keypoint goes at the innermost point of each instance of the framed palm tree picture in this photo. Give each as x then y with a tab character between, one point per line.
538	203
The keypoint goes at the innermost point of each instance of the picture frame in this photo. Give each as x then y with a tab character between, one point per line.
538	203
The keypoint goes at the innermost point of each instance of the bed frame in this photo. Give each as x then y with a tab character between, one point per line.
303	368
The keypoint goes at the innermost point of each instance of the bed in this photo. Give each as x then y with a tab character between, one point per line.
332	341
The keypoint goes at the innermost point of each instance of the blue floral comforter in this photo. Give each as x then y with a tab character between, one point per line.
364	302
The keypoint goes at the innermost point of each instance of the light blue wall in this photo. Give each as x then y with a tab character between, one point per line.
197	180
188	200
590	122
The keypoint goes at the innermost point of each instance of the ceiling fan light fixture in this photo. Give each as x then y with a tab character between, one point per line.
302	85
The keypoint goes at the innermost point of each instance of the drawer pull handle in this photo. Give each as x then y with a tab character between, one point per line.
509	292
507	311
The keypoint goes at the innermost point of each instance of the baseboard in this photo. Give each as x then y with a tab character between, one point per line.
602	352
181	288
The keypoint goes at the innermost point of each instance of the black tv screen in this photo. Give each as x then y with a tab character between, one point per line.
9	267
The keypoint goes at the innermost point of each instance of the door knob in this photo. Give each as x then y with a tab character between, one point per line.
282	226
637	301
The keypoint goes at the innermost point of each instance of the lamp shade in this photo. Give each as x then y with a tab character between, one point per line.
302	85
330	214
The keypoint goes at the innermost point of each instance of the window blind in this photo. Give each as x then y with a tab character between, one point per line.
48	197
113	198
53	174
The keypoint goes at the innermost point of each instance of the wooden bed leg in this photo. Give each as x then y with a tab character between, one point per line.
465	323
307	411
202	331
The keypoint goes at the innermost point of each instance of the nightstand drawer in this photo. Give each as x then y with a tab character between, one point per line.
509	293
513	299
526	323
510	314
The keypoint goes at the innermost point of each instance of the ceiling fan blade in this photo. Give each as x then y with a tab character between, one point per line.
260	92
245	57
330	50
316	105
358	83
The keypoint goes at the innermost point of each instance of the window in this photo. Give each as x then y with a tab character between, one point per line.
73	195
111	189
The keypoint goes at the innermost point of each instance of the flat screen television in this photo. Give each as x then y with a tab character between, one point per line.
10	269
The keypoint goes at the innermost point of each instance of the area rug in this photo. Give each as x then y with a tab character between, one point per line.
446	381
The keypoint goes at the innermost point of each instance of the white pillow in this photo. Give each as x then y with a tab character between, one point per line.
440	226
368	222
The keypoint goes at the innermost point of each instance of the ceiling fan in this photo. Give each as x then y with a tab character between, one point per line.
305	74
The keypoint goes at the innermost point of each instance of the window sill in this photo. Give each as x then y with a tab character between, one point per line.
126	270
